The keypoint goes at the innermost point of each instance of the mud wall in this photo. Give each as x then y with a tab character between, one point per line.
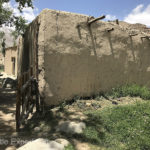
28	49
75	59
10	61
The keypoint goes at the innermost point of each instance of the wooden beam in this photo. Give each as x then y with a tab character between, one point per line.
24	105
117	21
147	37
133	34
96	19
111	29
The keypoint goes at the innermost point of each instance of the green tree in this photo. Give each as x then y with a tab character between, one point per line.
7	18
3	47
15	36
2	42
20	25
6	15
2	34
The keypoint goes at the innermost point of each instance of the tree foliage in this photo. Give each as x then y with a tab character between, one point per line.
2	34
7	18
2	42
20	24
24	3
6	14
3	47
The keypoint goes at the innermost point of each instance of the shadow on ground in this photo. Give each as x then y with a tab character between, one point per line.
46	125
7	115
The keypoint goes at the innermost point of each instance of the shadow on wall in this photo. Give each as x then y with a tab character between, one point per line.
30	53
110	43
7	113
132	47
77	72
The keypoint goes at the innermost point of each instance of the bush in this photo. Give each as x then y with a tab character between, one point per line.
130	90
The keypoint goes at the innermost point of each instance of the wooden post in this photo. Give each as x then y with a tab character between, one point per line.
133	34
117	21
147	37
18	103
31	71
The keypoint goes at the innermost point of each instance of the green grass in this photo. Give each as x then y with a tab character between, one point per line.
120	128
69	147
130	90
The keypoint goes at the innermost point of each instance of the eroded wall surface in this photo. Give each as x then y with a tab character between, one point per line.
87	60
28	50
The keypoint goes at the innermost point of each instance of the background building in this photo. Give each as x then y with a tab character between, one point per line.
1	62
10	61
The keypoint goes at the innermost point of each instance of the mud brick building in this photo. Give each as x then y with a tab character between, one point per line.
10	61
72	55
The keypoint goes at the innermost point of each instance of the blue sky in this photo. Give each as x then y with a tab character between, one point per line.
118	8
132	11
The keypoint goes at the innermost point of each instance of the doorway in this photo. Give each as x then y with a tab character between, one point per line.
13	59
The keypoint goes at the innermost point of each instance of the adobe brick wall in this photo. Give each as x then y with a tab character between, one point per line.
8	65
1	59
84	62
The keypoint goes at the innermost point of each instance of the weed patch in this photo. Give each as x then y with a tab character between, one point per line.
69	147
130	90
121	127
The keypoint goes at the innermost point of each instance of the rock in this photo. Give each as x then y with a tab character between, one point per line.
64	142
42	144
88	104
37	129
11	148
71	127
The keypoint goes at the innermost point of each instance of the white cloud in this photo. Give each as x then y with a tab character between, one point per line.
28	13
7	5
110	17
8	36
140	14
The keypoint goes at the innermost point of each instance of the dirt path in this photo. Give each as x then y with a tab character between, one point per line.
7	116
47	123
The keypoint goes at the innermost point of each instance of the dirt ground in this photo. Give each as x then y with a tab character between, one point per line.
44	125
7	116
